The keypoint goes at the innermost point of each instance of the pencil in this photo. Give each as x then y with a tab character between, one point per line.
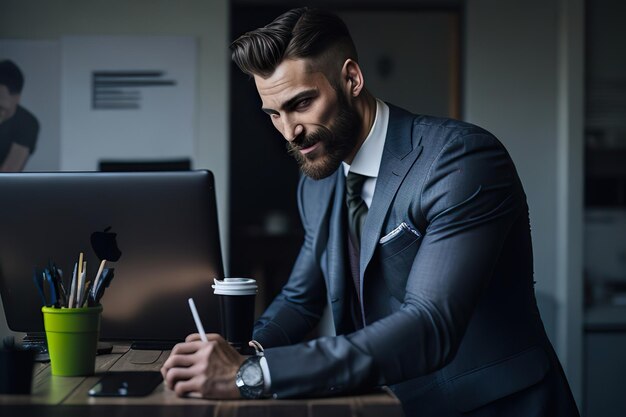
80	264
196	318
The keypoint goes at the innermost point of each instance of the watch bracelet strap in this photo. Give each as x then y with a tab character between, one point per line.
258	348
260	352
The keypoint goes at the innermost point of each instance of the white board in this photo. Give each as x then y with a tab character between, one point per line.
126	98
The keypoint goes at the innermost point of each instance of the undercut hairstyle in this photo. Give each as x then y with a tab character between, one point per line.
11	77
297	34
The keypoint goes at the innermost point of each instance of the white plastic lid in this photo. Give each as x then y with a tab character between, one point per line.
235	286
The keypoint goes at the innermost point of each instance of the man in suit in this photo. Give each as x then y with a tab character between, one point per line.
416	235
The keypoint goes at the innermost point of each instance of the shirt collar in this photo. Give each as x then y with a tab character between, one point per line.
367	159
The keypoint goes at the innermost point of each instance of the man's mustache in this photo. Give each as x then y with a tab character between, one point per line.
304	141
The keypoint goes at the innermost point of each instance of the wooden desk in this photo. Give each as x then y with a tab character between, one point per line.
67	397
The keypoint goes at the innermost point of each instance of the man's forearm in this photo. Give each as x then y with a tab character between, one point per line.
16	158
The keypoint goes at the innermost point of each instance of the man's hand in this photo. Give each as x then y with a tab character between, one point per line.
205	368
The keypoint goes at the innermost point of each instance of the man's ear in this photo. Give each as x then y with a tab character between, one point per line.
352	77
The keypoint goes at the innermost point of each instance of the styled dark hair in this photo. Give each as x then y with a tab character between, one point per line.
11	76
299	33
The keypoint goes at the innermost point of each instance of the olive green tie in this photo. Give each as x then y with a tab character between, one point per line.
357	209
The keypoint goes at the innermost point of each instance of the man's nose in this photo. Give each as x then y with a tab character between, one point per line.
291	130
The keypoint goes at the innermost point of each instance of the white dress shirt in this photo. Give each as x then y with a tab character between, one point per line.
367	160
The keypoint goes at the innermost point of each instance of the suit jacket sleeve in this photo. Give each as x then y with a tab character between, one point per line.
469	199
299	306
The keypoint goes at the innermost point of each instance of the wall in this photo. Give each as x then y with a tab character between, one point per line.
523	83
206	20
393	75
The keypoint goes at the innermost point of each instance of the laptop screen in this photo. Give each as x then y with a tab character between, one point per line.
164	225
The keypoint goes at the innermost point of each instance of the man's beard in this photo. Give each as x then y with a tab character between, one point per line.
337	142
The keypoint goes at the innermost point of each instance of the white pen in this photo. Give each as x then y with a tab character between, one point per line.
196	318
98	275
73	288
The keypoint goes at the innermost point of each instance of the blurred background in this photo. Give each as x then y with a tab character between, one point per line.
150	81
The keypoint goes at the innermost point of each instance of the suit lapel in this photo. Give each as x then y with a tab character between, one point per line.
399	154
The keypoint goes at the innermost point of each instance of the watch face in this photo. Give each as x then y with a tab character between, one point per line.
252	375
249	378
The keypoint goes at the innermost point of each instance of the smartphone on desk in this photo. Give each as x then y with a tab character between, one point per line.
126	384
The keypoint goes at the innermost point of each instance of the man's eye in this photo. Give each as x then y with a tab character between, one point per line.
303	103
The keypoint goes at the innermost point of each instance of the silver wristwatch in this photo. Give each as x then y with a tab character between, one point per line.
249	378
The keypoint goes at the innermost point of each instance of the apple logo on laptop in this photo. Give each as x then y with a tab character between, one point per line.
104	244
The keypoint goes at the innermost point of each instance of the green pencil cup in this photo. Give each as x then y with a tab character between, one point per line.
72	335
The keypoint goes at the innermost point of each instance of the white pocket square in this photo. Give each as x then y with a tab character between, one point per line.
397	230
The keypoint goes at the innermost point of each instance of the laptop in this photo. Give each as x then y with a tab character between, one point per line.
163	226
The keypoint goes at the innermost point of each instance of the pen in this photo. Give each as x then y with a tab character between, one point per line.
103	282
39	285
81	286
196	318
97	278
59	279
56	281
73	287
52	290
84	297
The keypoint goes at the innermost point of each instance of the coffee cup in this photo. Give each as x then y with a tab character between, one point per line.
16	370
236	301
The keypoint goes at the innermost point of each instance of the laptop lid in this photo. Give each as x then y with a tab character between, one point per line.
163	223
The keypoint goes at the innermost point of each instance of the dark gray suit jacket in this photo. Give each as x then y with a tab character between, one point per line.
451	321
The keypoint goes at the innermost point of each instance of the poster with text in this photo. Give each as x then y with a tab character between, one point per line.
126	99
